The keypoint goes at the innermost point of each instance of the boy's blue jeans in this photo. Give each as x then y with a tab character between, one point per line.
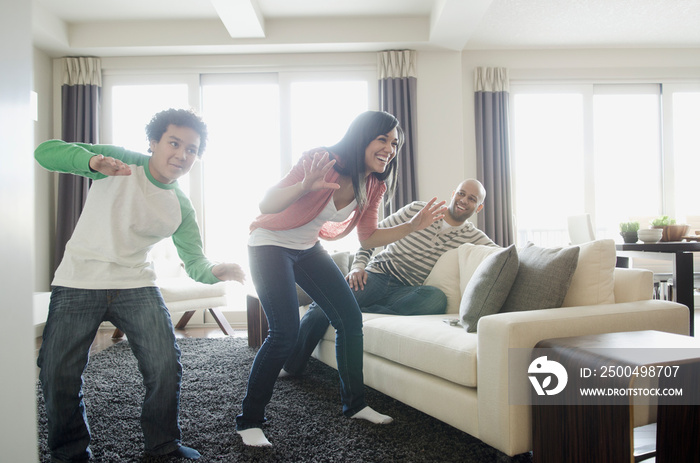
74	318
382	294
274	271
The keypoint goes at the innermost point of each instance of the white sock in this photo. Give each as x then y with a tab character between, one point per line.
254	437
284	373
372	416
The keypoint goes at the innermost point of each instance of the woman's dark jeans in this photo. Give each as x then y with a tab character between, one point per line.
274	271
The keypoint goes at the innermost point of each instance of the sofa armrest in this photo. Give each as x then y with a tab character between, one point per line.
509	426
633	284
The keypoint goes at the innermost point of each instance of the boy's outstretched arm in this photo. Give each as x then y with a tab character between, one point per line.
109	166
86	160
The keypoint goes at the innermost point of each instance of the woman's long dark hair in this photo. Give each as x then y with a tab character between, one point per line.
351	151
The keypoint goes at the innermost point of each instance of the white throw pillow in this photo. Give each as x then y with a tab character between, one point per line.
593	282
445	276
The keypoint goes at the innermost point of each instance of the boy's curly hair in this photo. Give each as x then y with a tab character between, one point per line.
181	118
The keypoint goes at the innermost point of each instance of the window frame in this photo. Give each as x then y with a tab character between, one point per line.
588	87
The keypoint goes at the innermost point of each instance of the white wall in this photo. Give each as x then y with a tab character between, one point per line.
43	180
18	438
442	162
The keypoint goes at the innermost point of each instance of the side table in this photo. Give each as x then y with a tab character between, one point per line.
681	253
257	321
601	429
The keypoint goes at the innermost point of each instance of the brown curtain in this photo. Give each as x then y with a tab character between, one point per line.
80	104
493	154
397	96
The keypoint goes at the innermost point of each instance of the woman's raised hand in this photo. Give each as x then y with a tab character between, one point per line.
315	173
431	212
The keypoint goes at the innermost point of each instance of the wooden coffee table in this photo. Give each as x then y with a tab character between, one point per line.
602	430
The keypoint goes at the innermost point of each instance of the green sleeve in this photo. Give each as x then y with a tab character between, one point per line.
74	158
188	242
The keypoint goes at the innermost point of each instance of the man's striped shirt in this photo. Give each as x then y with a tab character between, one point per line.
411	258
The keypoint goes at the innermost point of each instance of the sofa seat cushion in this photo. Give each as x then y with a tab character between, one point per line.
184	288
426	343
330	332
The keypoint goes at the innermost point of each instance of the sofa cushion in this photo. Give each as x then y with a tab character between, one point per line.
329	335
182	294
426	343
454	269
445	276
544	276
470	258
488	287
593	282
185	288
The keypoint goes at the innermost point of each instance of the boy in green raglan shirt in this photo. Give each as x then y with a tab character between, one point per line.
105	275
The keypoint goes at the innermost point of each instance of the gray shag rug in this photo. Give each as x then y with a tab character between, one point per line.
305	423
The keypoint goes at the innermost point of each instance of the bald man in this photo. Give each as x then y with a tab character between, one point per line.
391	282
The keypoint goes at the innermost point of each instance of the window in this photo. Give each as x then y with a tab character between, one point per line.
548	156
627	155
129	105
242	115
686	152
259	124
322	111
602	149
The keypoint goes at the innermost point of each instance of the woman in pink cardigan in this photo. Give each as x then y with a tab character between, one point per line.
328	193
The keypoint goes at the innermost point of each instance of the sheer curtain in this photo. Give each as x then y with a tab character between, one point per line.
397	95
493	155
80	95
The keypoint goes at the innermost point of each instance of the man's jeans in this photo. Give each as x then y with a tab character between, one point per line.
274	271
382	294
74	318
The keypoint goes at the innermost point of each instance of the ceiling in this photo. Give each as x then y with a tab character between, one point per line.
163	27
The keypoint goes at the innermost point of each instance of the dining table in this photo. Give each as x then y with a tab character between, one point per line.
681	254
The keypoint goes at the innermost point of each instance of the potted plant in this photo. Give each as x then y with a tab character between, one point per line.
671	230
628	231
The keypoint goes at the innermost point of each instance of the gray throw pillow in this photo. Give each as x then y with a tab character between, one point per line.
488	287
543	278
342	260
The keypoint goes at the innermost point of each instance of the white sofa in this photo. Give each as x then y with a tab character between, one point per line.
462	378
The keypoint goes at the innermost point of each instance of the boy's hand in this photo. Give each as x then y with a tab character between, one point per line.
109	166
227	272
